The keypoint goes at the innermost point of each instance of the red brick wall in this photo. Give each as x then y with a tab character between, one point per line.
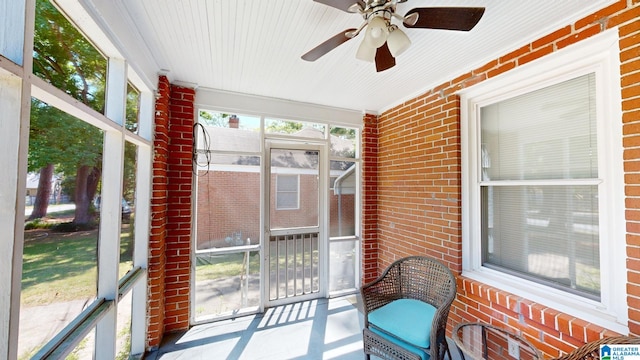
369	198
419	186
347	203
157	233
170	233
229	202
418	194
178	246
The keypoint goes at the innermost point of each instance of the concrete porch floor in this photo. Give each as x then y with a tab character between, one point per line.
317	329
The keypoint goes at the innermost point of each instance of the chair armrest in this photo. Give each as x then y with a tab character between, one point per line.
378	293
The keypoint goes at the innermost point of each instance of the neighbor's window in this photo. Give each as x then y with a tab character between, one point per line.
287	192
539	186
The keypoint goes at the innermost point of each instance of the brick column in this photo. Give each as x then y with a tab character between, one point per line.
369	198
170	233
179	195
158	233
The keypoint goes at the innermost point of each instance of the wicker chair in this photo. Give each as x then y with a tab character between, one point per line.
591	351
412	278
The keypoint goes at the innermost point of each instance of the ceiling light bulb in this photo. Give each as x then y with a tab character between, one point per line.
398	42
377	32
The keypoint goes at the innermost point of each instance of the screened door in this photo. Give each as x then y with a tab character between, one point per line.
294	246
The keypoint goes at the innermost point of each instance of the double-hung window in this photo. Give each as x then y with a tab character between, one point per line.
542	184
287	192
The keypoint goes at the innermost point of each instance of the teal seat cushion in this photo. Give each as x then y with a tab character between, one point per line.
407	319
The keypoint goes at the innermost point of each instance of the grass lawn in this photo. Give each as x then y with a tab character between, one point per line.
211	267
223	266
61	267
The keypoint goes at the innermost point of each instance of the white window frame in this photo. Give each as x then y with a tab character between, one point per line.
17	87
278	191
598	55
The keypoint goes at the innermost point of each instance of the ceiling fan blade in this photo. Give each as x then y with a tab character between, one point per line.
330	44
384	59
341	4
446	18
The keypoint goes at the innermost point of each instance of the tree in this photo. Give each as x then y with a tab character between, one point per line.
130	171
347	133
83	156
133	107
284	127
63	57
339	150
58	141
41	204
213	119
43	120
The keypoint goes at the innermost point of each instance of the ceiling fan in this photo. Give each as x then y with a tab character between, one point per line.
384	41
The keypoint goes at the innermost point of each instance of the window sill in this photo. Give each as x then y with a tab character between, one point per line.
582	308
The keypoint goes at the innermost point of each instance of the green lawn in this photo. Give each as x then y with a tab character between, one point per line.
211	267
61	267
221	266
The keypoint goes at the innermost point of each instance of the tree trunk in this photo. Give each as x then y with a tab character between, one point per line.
43	193
92	182
87	179
83	202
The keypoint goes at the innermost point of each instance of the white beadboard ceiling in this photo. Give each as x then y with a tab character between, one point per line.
254	46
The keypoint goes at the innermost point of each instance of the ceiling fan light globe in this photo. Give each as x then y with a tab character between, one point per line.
366	52
398	42
377	32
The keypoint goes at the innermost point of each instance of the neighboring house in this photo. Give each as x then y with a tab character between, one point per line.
229	188
57	196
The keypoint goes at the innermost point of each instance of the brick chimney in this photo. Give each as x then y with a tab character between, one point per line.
234	122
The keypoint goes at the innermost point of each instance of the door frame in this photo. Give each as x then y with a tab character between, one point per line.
323	240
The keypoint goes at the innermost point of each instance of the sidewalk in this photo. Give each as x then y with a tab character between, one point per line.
53	208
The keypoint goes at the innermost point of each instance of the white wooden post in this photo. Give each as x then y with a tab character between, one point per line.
16	35
111	208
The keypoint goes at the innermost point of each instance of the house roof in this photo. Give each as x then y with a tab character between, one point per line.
33	178
254	47
238	140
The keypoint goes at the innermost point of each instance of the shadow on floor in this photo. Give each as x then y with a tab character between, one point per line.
316	329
